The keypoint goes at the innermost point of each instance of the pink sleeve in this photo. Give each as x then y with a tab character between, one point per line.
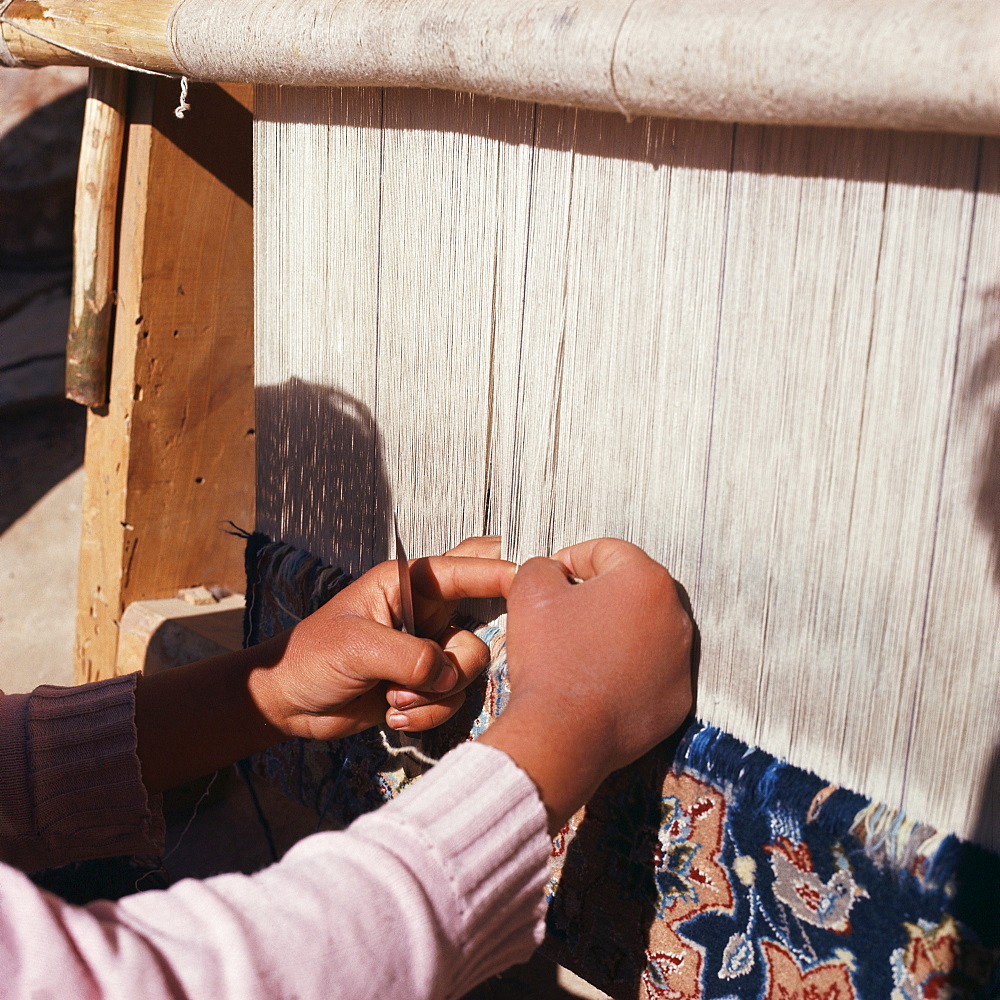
423	898
70	781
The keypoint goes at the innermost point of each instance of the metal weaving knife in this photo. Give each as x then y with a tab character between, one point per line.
405	742
405	588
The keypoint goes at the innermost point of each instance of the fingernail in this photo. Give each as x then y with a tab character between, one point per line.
446	679
403	699
398	721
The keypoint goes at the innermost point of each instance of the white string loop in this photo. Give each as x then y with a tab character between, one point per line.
183	105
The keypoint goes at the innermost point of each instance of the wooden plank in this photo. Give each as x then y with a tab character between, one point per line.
157	635
170	459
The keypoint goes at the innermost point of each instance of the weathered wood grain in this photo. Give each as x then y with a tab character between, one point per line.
170	459
94	237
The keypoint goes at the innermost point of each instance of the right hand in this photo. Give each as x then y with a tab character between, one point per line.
599	671
330	675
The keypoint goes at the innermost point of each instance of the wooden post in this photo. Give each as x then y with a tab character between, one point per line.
94	236
169	461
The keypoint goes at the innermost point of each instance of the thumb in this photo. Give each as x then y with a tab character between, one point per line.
379	653
538	581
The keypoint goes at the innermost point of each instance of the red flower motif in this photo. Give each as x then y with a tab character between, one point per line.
787	981
796	884
937	964
799	854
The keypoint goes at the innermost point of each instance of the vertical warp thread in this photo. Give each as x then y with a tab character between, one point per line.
608	301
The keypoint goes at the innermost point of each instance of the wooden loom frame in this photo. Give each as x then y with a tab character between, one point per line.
162	474
148	452
166	468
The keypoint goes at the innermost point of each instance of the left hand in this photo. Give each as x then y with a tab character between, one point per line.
333	673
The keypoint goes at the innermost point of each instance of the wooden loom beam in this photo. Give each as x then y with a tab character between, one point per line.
171	457
89	32
902	64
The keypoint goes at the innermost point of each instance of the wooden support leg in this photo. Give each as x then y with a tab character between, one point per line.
170	460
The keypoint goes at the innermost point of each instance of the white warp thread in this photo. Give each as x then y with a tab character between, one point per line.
767	355
910	64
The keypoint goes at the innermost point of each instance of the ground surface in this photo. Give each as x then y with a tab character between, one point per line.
41	483
41	435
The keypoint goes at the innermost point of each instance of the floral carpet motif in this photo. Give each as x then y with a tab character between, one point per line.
708	869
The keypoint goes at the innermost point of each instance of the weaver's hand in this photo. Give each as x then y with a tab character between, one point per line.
332	675
599	670
413	710
328	677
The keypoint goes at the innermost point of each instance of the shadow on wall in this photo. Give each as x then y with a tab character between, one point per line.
39	447
987	828
38	158
982	391
981	388
41	119
977	877
321	482
780	150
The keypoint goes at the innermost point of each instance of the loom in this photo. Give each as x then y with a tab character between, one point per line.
717	277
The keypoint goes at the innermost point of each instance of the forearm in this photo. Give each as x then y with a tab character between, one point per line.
327	678
423	899
193	719
549	749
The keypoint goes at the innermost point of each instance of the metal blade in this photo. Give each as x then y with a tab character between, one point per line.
405	589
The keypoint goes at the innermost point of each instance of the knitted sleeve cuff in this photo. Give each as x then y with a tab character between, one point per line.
75	784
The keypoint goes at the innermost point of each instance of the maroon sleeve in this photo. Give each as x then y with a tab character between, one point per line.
70	780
